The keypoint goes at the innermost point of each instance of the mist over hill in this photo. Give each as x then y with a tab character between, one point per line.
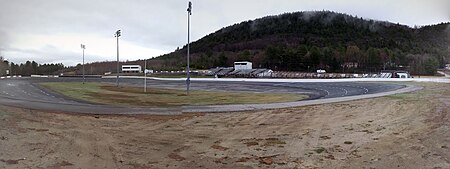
303	41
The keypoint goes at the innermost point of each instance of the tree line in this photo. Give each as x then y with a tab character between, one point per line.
29	68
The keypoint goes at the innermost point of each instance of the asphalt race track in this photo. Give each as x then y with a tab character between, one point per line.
26	93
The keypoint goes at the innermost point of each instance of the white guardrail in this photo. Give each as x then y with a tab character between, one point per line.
53	76
436	80
9	77
35	76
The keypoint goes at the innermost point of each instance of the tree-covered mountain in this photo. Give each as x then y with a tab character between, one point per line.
305	41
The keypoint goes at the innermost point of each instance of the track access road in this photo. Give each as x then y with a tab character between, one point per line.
27	93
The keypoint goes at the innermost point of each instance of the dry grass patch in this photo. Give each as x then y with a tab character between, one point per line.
158	97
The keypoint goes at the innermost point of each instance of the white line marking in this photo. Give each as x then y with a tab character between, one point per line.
346	91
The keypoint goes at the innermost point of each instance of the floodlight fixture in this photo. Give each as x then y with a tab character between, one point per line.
190	8
117	35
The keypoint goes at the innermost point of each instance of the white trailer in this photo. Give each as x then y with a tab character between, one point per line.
131	69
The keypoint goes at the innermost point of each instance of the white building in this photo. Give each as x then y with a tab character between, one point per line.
242	65
131	69
320	71
148	71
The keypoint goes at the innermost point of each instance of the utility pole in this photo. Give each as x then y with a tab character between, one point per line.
188	79
145	76
117	35
83	47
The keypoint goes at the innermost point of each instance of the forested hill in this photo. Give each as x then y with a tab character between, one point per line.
304	41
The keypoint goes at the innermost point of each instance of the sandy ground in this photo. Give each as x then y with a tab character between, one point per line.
401	131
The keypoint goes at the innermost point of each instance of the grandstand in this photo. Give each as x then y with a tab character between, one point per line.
223	71
394	74
246	71
230	72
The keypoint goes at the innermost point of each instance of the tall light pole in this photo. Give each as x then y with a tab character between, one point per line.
83	47
188	79
117	35
145	76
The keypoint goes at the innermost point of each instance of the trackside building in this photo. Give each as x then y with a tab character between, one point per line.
242	65
131	69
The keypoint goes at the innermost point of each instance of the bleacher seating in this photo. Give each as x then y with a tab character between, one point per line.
224	71
212	72
386	75
230	72
234	72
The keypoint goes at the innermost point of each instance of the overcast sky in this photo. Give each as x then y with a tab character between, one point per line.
51	31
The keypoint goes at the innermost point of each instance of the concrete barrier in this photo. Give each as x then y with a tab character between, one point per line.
436	80
44	76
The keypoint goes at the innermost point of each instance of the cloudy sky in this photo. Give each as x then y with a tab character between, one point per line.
51	31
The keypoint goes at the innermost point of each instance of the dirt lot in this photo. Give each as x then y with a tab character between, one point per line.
401	131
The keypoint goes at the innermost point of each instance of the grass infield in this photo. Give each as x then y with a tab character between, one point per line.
158	97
